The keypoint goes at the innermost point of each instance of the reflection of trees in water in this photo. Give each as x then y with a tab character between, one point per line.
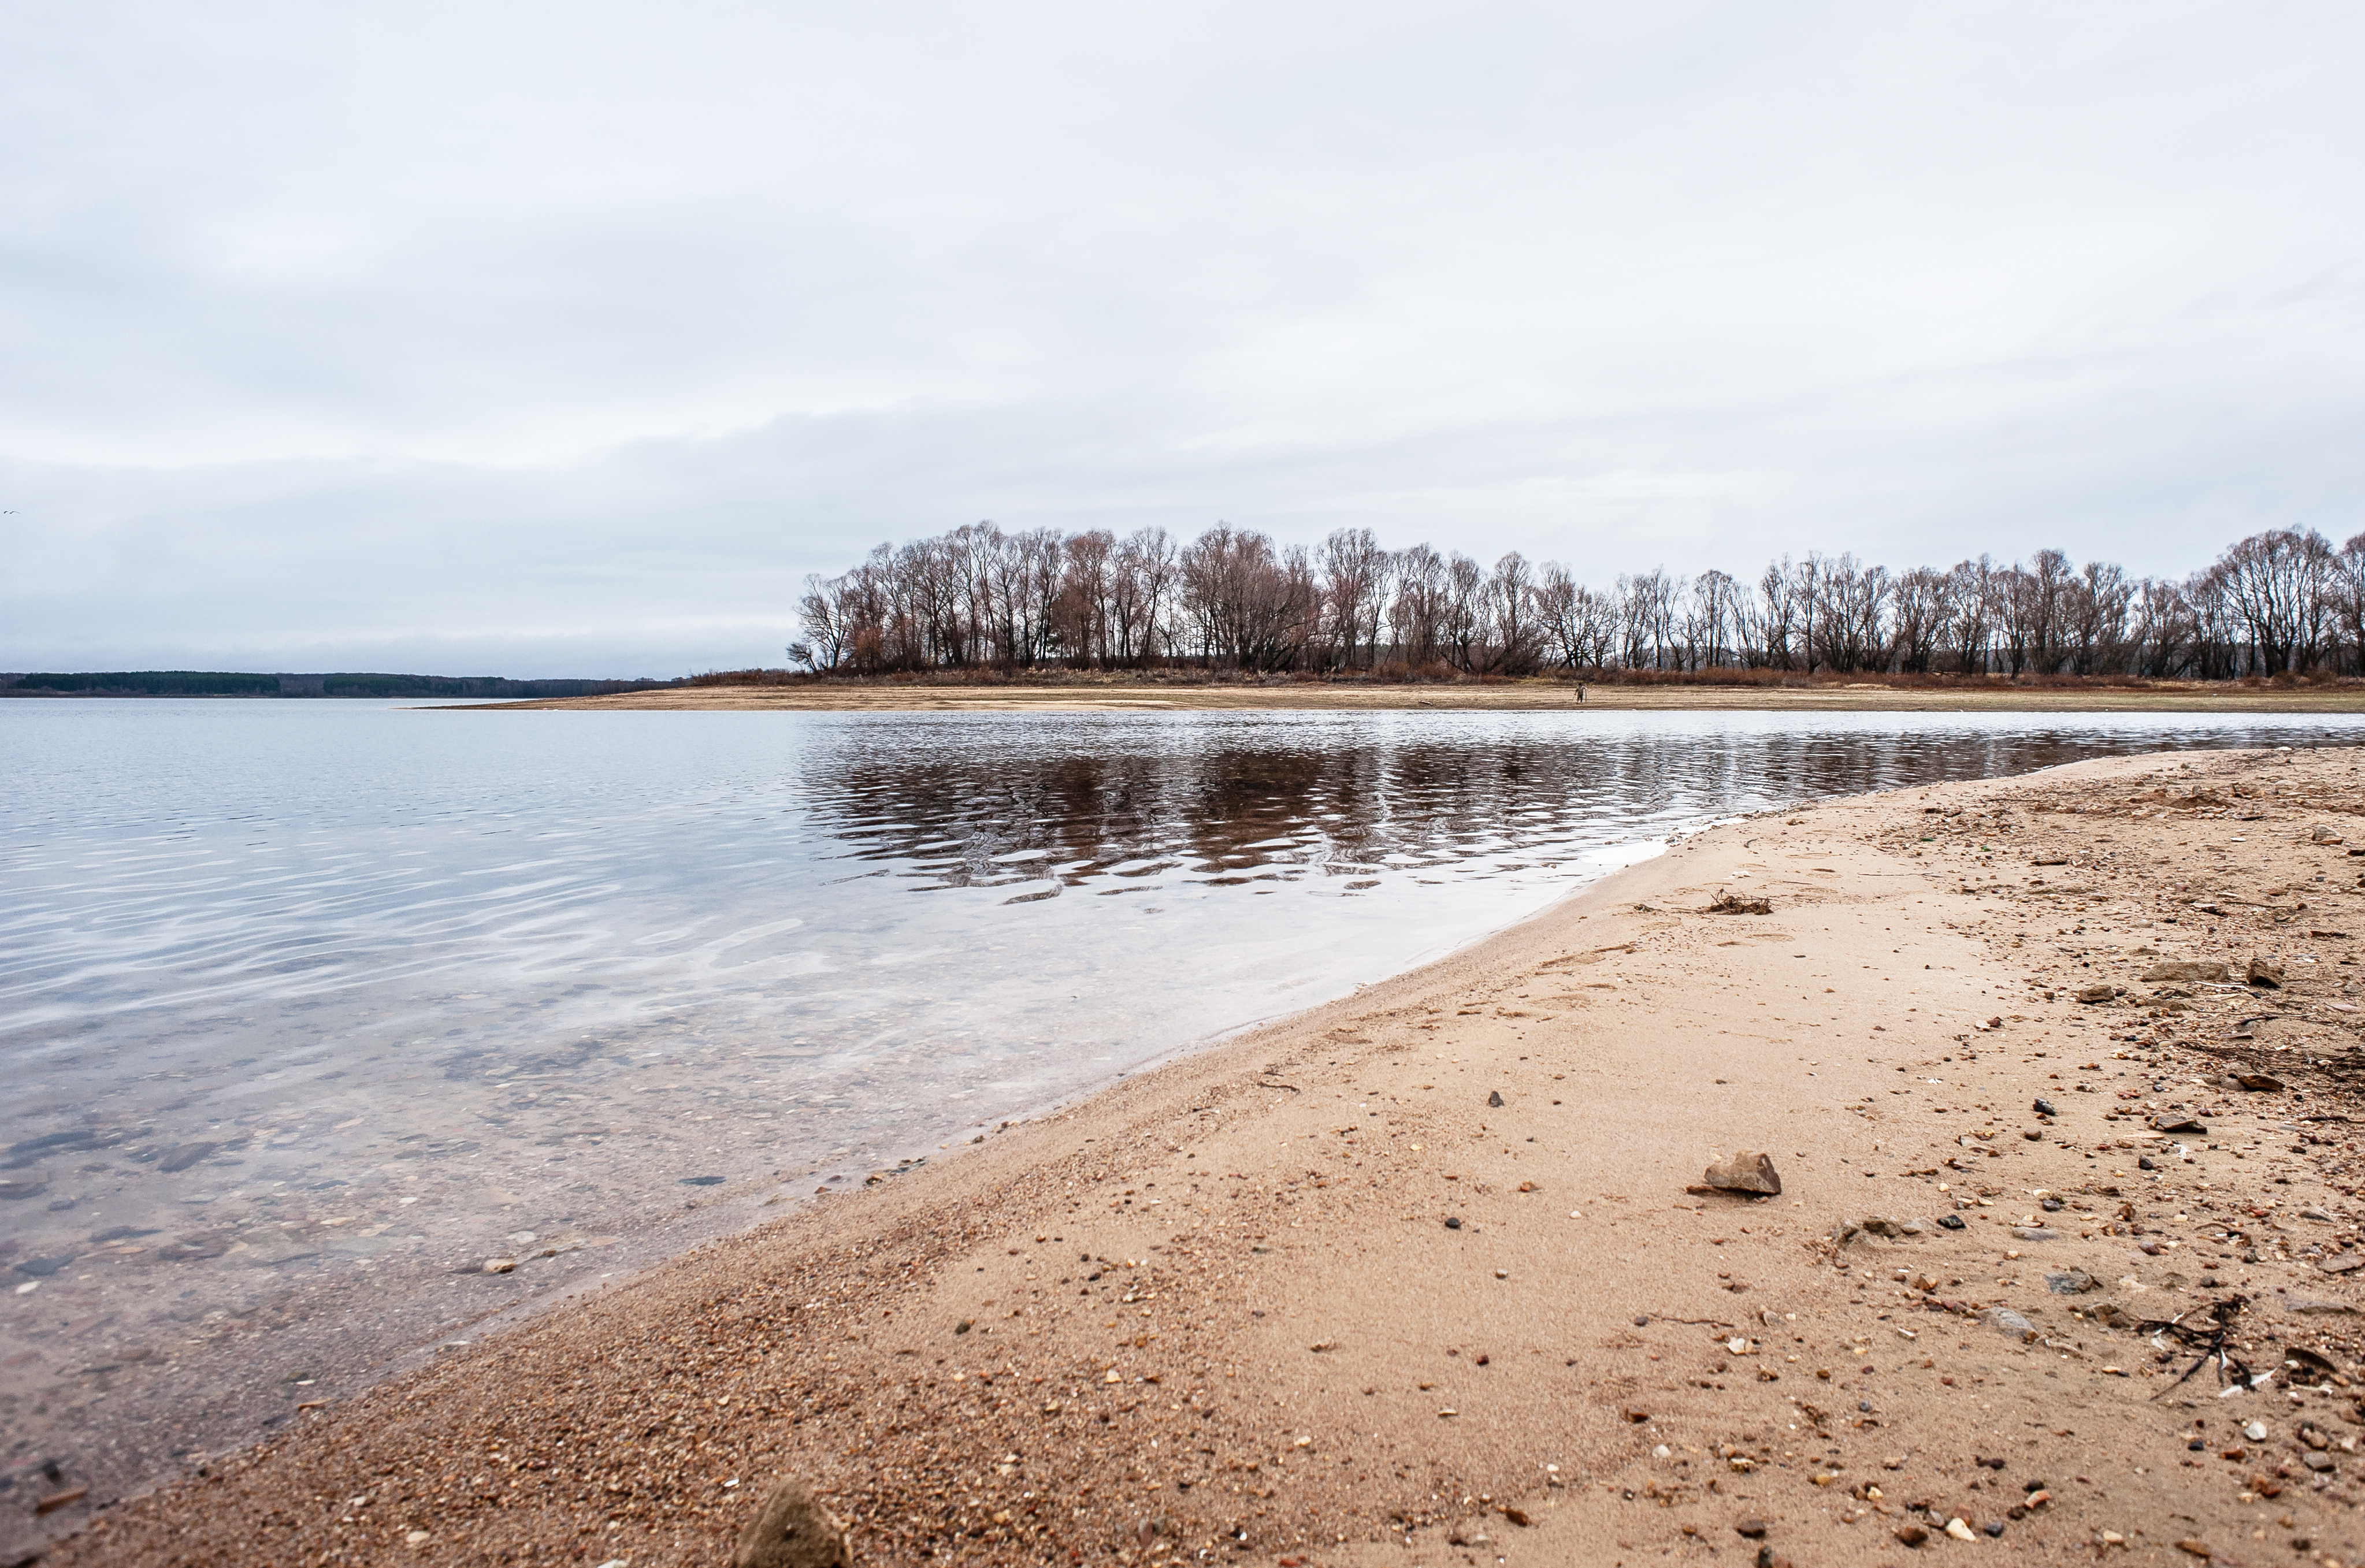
955	811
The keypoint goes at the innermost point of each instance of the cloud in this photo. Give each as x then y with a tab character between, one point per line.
562	334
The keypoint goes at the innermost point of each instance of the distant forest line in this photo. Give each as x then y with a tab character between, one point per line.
2282	603
234	683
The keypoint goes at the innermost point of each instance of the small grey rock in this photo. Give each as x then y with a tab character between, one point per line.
2345	1263
181	1155
2004	1320
1880	1224
2036	1233
2045	1108
1494	1099
2090	994
2071	1281
793	1531
2187	970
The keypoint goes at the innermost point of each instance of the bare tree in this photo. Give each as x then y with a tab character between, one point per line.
1778	617
1513	634
1249	606
1354	593
1920	604
1462	625
824	628
1082	611
1557	612
1714	623
2019	617
1141	595
1971	607
2219	651
2165	631
1851	603
2349	603
1419	608
2094	619
2050	577
1650	610
2275	583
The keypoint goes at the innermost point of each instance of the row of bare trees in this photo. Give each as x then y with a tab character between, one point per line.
2285	601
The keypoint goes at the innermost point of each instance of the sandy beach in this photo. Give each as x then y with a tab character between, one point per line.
1422	1276
1122	694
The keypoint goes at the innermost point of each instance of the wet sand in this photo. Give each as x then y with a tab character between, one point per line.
1117	694
1218	1313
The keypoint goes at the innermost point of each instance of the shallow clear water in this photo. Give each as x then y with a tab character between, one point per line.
306	1007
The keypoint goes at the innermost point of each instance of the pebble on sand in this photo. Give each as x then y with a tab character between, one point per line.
792	1531
2003	1320
181	1155
1746	1171
2186	969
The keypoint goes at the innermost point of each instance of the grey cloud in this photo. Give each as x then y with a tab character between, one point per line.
561	334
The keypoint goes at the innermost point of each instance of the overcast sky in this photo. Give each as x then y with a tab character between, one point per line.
564	340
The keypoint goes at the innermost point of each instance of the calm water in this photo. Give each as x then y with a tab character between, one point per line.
308	1009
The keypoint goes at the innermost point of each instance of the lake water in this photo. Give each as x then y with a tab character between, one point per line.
308	1009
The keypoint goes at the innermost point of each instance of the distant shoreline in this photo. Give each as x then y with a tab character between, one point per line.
1534	695
365	684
